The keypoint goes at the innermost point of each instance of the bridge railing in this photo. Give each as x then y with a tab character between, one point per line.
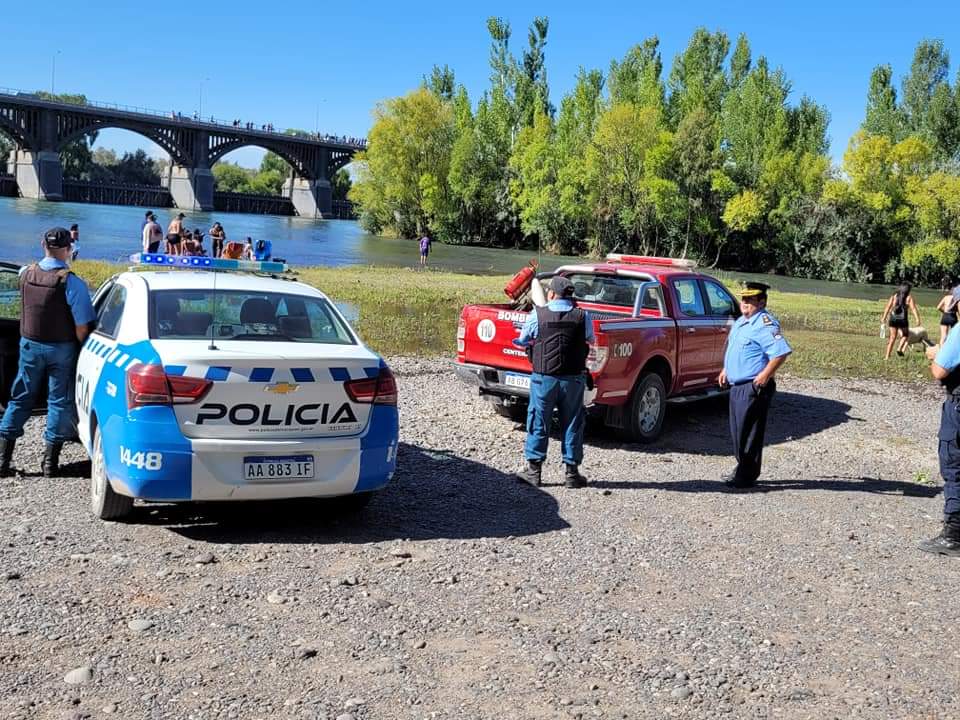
194	118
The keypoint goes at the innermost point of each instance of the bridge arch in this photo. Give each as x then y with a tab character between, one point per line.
179	146
19	126
305	162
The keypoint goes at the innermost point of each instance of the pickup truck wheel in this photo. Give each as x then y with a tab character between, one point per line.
647	408
105	503
516	412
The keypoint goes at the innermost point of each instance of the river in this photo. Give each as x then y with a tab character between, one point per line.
112	232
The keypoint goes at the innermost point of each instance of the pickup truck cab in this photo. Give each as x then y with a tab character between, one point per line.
661	329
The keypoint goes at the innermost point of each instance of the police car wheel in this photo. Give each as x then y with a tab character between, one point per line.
516	412
648	406
105	503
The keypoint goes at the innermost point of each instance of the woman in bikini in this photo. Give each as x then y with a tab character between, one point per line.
895	314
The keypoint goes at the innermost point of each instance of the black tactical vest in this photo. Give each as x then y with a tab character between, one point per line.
45	315
561	346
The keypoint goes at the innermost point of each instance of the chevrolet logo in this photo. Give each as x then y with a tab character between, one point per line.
282	388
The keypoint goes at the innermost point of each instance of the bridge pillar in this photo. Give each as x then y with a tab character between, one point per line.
310	198
39	174
190	188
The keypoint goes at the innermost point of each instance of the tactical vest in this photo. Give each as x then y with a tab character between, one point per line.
561	346
46	315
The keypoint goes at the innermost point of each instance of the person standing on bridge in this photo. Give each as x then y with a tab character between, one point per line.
174	234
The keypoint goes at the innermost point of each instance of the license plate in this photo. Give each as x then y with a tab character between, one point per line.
514	380
278	467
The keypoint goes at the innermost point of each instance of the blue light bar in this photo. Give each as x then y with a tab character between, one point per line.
205	263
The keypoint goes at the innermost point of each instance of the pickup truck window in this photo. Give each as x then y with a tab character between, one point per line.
689	298
721	304
606	289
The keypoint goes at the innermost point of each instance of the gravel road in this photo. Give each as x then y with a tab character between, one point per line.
461	593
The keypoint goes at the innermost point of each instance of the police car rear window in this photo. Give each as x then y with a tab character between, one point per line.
245	315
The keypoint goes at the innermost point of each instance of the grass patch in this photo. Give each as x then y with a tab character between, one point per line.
405	311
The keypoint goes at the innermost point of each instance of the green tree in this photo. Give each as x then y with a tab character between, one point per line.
402	176
637	78
928	71
740	61
883	115
341	185
697	78
534	185
441	82
228	177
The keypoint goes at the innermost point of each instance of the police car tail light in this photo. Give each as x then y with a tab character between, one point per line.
597	358
381	390
150	385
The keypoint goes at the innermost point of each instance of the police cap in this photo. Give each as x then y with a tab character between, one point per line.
754	290
57	237
561	286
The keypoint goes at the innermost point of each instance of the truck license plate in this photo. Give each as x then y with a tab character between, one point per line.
520	381
278	467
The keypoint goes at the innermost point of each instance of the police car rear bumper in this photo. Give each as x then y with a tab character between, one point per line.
342	466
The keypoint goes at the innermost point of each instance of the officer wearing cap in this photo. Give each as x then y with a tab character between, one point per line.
755	351
558	335
946	369
56	316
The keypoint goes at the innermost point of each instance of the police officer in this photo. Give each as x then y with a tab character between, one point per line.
558	335
946	369
755	350
56	316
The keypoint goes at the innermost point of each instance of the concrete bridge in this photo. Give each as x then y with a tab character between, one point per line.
42	128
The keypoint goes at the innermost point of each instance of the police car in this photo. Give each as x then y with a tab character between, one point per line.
204	383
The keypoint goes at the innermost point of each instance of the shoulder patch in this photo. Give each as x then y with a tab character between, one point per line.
766	319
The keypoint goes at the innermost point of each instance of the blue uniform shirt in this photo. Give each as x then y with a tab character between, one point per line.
78	295
948	356
751	345
531	328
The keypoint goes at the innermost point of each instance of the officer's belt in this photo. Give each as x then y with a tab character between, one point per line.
742	382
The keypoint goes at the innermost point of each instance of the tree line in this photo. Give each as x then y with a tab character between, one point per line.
709	160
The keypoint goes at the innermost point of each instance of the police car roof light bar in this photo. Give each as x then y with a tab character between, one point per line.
651	260
207	263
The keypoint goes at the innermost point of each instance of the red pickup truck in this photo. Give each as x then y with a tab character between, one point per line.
661	328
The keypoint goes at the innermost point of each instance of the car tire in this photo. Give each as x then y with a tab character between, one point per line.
646	410
516	412
105	503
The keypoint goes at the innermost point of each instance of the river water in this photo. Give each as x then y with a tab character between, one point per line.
112	232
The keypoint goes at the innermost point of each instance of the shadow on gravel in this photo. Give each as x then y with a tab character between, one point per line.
832	483
702	428
434	495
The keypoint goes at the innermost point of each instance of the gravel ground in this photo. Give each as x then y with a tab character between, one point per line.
461	593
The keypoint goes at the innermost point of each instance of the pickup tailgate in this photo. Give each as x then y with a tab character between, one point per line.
485	337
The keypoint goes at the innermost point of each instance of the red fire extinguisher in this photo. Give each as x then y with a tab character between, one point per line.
521	281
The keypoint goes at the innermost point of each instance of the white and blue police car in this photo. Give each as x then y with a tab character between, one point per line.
204	383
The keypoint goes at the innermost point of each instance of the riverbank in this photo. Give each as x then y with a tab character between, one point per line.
405	311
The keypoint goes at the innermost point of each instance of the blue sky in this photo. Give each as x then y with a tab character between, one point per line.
293	62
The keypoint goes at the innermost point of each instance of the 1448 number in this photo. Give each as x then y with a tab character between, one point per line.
141	460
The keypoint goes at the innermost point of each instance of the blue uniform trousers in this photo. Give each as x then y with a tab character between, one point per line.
565	393
949	453
748	423
55	364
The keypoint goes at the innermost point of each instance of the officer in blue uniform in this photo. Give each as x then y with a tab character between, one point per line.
946	369
558	335
755	351
55	318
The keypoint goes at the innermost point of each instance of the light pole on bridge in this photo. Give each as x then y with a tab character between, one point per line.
53	73
200	113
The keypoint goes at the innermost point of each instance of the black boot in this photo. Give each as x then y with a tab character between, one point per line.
6	456
531	473
51	459
948	541
572	477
